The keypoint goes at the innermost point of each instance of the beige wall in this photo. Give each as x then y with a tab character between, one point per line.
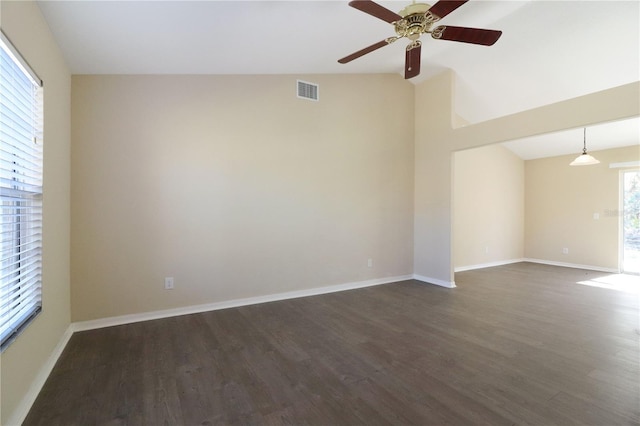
560	205
433	179
488	206
235	187
436	139
25	27
491	190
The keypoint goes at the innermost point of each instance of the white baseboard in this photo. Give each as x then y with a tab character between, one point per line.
428	280
572	265
541	261
21	411
487	265
146	316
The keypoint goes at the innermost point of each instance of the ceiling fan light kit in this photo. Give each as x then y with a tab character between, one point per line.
417	19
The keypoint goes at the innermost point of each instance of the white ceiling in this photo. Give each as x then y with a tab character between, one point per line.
604	136
549	51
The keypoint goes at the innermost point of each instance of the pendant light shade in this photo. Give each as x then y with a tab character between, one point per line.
584	159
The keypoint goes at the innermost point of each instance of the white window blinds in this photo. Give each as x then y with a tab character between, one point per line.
20	193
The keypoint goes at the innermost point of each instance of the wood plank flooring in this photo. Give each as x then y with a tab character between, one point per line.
515	344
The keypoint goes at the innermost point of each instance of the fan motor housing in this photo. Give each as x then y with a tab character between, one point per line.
415	21
414	8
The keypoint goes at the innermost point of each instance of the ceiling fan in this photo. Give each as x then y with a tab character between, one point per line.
415	20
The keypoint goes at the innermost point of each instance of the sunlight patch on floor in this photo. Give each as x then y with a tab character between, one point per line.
620	282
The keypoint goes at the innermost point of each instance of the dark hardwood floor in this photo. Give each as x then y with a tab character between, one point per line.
515	344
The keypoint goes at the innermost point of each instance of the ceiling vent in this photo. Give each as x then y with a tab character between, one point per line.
308	90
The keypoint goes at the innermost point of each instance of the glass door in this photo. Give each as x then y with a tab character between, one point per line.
631	222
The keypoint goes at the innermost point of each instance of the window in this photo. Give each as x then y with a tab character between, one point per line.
20	193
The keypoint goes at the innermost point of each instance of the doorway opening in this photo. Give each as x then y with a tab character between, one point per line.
630	222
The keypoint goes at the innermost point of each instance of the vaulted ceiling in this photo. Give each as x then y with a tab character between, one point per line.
549	50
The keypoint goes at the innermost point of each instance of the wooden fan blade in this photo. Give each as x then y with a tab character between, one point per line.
412	62
445	7
374	9
467	35
364	51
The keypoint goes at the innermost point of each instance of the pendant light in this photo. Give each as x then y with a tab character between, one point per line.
584	159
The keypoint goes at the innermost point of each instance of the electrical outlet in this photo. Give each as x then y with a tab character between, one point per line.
565	251
369	263
168	283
